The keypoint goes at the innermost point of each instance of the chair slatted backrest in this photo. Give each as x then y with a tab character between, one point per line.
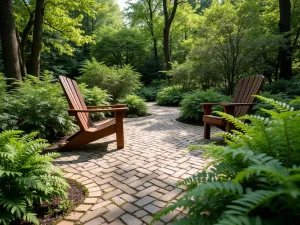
76	101
246	87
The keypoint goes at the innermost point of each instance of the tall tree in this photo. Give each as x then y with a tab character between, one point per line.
184	31
168	17
285	50
62	21
145	11
37	38
120	47
10	51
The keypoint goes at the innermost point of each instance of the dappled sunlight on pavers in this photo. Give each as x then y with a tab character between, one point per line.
130	185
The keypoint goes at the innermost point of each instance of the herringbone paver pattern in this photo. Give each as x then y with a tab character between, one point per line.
129	186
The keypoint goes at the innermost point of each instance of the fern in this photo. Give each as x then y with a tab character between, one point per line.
277	136
253	180
27	178
37	105
240	220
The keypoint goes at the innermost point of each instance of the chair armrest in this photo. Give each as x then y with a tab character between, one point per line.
73	112
212	104
236	104
107	106
229	107
207	107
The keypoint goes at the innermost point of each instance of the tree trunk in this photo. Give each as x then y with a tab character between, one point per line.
12	67
37	38
151	28
167	48
23	42
155	52
285	50
168	22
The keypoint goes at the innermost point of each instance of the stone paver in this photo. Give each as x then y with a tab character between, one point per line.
93	214
96	221
130	185
131	220
65	223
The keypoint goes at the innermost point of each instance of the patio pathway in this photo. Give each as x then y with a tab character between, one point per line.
130	185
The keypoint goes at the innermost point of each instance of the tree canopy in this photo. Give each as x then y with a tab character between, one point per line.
215	40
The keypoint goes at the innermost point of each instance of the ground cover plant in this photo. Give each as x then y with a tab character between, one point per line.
254	180
281	97
136	106
190	108
170	96
27	178
149	93
289	87
2	92
37	105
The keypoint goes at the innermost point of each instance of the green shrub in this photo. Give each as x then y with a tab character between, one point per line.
94	97
2	92
117	81
27	178
289	87
149	93
281	97
170	96
190	105
38	105
136	106
255	179
161	83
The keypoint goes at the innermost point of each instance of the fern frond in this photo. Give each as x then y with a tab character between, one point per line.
273	169
198	178
237	122
33	182
5	173
193	220
31	218
26	177
296	100
280	106
215	188
255	119
5	217
239	220
15	206
9	134
250	201
29	137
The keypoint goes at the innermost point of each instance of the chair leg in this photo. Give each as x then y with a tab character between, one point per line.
80	139
73	136
120	136
229	126
206	131
119	130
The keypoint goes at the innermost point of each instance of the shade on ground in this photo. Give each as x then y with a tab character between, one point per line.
130	185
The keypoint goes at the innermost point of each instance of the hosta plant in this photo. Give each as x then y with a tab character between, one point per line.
254	179
27	177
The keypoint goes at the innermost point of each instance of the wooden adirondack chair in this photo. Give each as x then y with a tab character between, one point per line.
88	130
242	102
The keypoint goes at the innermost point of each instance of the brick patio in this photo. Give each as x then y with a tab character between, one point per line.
129	186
